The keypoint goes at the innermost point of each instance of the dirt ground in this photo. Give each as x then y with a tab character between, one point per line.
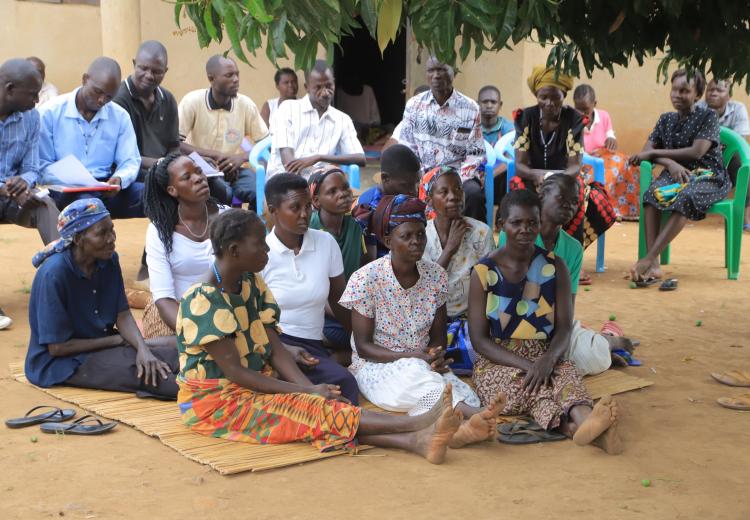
694	452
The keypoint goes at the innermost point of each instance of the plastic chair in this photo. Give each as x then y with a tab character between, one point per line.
506	153
732	210
489	183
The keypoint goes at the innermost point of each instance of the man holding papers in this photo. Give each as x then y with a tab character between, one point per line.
99	134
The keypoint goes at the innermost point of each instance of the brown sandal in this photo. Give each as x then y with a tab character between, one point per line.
741	402
733	377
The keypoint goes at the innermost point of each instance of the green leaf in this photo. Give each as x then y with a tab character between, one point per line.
177	13
231	22
257	9
389	20
208	20
369	15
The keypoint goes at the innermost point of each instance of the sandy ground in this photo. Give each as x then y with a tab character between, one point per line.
694	452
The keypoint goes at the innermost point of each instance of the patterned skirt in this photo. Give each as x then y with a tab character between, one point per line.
621	181
695	198
153	325
550	404
220	408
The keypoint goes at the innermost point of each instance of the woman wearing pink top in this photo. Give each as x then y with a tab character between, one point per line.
599	140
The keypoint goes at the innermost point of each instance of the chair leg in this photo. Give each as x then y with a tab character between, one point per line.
600	253
734	230
665	254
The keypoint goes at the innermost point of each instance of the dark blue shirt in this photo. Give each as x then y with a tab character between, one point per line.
369	196
65	305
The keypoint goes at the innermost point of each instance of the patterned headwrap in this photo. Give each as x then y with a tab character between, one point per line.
392	211
543	76
319	174
76	217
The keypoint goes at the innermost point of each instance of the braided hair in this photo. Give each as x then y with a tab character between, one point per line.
231	226
158	205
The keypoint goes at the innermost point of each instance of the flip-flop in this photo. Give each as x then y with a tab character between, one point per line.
741	403
628	357
733	377
53	416
648	282
526	436
670	284
514	427
82	426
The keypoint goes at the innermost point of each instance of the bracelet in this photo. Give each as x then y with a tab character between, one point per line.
548	174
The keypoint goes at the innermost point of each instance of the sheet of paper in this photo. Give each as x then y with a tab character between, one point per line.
208	170
71	172
246	145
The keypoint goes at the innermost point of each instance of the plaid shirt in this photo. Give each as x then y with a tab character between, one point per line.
447	135
19	150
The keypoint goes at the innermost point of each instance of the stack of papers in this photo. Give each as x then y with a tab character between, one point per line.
74	176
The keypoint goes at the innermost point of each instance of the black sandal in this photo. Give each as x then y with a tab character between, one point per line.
56	415
531	433
79	426
669	284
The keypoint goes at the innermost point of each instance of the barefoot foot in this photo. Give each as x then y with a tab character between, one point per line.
481	426
610	441
602	418
432	442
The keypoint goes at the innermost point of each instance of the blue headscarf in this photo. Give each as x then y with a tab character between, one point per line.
76	217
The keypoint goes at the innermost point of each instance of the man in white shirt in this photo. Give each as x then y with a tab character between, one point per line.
309	130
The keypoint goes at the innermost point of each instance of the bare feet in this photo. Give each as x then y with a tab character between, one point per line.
480	426
432	442
602	419
644	269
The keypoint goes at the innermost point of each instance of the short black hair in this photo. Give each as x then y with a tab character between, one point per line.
565	183
699	80
399	161
523	198
230	226
214	62
281	72
320	66
280	184
489	87
584	91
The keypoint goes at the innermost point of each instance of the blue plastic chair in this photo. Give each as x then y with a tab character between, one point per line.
489	183
259	157
505	152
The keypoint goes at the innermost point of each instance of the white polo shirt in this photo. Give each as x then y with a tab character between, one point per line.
300	283
296	125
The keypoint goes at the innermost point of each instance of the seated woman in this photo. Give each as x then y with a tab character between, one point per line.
287	84
549	139
456	243
591	352
398	317
332	202
82	331
239	383
305	271
520	318
599	140
178	249
686	144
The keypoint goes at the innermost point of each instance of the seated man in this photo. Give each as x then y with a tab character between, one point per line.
494	126
48	91
443	128
309	130
215	121
84	123
82	331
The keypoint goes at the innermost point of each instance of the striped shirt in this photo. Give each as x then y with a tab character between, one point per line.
447	135
19	146
296	125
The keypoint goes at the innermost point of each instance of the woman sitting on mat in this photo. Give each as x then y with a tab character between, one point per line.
332	202
239	383
399	322
82	331
305	271
549	140
686	144
178	250
520	319
621	177
456	243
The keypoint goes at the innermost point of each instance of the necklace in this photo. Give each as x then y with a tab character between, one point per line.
194	235
546	143
218	277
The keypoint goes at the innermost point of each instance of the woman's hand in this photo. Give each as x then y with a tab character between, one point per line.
150	367
331	392
678	172
539	374
646	155
301	356
435	357
456	235
610	143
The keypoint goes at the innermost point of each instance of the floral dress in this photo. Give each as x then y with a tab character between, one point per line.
403	318
522	320
212	405
697	196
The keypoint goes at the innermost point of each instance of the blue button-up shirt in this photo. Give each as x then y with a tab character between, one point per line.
19	146
107	140
65	305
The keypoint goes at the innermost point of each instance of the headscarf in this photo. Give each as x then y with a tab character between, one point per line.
542	76
394	210
428	182
320	172
76	217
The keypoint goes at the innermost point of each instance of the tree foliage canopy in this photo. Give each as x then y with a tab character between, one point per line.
710	35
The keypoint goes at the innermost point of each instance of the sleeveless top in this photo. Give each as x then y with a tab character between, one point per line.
523	310
273	104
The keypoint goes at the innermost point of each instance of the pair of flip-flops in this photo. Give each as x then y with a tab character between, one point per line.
526	432
670	284
53	421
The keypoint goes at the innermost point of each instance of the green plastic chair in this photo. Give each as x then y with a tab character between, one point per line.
732	210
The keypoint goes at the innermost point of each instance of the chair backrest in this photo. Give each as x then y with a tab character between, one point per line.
733	144
504	148
261	151
489	152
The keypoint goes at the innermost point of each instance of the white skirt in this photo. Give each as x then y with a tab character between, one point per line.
589	351
409	385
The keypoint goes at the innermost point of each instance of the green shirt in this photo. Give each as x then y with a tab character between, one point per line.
567	248
351	242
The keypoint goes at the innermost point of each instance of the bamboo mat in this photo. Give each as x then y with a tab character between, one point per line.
161	419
